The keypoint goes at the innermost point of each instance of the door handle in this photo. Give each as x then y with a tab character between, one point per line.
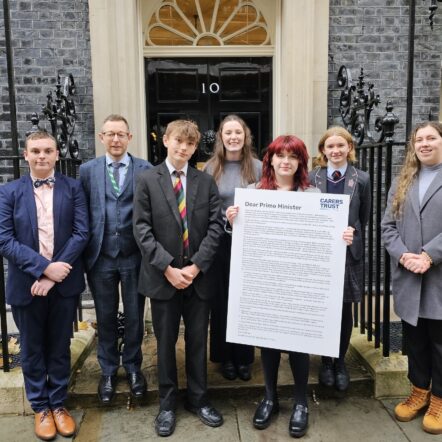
208	140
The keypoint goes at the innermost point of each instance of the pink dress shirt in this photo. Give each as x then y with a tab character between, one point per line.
44	197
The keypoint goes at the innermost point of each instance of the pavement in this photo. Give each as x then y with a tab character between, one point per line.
354	416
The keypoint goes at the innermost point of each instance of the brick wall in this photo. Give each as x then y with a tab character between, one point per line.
53	37
48	38
373	34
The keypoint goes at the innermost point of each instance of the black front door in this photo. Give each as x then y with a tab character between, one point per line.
206	90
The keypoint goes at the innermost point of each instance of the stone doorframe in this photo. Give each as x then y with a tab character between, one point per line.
300	65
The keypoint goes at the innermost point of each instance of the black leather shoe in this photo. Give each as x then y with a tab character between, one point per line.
326	374
342	378
264	412
228	371
137	384
208	415
165	423
106	388
244	372
298	421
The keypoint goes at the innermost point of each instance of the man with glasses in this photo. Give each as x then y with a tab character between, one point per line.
112	256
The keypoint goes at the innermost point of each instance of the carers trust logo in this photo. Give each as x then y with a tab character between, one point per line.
330	203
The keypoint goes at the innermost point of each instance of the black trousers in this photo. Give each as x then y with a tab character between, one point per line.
220	350
166	316
299	364
423	344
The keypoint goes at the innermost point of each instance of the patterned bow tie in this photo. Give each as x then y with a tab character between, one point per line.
49	181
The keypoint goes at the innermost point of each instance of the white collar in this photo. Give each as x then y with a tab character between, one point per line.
172	168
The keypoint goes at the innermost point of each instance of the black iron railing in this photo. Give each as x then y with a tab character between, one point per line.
374	146
374	310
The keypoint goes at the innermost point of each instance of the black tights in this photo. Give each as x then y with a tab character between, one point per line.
346	329
299	364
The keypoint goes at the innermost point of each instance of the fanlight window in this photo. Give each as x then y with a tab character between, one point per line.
206	23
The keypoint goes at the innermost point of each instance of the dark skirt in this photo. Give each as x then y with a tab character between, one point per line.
220	350
353	279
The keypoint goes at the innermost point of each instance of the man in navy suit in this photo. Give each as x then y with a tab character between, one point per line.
112	256
43	231
177	224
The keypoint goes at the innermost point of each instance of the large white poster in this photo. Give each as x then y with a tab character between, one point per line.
287	270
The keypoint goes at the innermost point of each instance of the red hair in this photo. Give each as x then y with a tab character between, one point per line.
291	144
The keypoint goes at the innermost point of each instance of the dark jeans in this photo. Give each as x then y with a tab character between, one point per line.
424	349
104	281
45	334
166	316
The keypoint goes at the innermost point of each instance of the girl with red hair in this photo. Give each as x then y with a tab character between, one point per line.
284	167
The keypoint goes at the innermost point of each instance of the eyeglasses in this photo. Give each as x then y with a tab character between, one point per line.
119	135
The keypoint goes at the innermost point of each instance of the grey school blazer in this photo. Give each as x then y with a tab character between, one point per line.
418	228
357	185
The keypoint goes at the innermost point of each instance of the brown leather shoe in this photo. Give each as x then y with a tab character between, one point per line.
64	421
44	425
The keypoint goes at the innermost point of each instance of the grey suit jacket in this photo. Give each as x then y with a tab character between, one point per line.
93	179
357	185
418	228
158	231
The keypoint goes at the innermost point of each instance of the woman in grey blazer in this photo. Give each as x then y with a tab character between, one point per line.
335	174
412	234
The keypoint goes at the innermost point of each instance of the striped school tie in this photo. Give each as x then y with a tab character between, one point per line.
336	175
181	200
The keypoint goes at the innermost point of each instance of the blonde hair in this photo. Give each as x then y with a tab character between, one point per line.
116	117
321	159
218	159
410	168
40	135
186	129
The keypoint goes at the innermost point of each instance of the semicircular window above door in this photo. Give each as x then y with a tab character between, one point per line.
206	23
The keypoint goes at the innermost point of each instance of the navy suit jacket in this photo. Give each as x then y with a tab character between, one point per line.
19	236
93	178
158	230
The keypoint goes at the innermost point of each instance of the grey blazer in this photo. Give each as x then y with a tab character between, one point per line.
357	185
158	231
93	178
418	228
